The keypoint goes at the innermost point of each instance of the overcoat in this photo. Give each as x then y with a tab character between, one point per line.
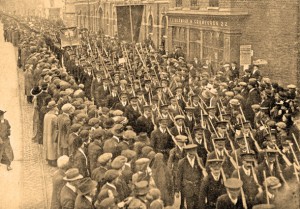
50	136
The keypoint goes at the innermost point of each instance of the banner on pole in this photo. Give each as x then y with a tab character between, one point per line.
129	19
69	37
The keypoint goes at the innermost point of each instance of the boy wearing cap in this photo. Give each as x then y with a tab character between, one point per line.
231	200
273	184
189	178
212	185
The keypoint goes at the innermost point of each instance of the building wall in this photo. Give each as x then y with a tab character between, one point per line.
103	17
271	29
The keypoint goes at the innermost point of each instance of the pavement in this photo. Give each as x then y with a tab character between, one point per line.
28	185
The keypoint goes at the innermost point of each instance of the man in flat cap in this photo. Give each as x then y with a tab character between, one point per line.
231	200
58	181
144	123
190	174
212	185
50	133
64	124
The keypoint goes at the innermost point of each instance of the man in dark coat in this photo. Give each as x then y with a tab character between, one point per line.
145	122
58	181
87	190
212	185
132	112
96	83
42	100
68	193
113	98
6	152
190	174
161	140
231	200
270	165
95	148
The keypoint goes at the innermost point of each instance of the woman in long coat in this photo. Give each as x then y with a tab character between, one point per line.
6	152
163	179
29	83
50	134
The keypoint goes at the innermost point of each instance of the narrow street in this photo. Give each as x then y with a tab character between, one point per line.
28	185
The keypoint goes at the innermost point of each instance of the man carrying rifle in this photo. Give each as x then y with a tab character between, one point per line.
248	175
190	173
212	185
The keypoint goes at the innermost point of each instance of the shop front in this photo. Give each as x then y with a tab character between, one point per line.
208	37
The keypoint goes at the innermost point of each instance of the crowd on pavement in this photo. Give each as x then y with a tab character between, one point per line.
131	126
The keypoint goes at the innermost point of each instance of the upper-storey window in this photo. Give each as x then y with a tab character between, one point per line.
178	3
194	3
214	3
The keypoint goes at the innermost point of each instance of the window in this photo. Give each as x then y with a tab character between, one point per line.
178	3
194	3
214	3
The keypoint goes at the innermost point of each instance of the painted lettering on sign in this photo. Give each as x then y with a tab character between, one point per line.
197	21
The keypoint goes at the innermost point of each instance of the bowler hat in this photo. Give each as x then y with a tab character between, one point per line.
35	91
87	186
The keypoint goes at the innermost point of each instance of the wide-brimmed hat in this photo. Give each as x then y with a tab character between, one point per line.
86	186
2	112
35	91
72	175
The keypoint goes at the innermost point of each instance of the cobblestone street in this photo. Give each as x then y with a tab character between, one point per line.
28	185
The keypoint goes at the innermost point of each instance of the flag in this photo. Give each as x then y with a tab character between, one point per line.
69	37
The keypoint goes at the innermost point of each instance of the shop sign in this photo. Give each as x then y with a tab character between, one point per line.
245	54
199	21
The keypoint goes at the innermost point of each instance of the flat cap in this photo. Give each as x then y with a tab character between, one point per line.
111	174
281	125
129	154
129	134
142	161
104	158
263	206
272	182
181	138
118	162
233	183
177	117
107	203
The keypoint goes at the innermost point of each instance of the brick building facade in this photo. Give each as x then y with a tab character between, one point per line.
102	15
217	29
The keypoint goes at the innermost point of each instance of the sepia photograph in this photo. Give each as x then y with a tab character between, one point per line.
149	104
